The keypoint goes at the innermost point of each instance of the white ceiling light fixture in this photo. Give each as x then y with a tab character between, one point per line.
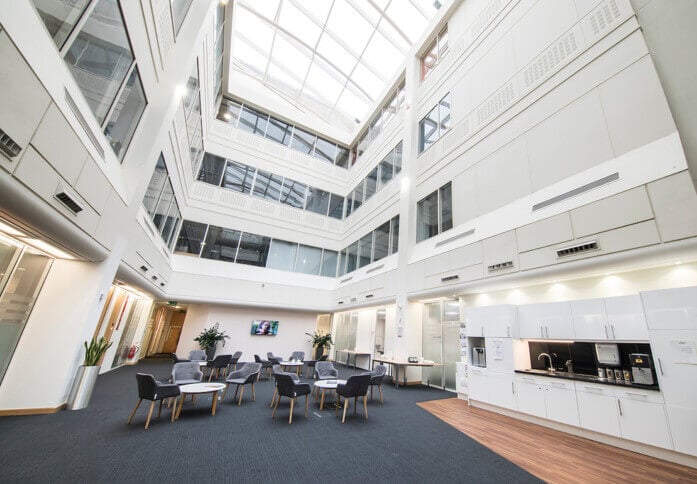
47	248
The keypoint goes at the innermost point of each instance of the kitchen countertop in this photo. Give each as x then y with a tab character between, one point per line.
587	378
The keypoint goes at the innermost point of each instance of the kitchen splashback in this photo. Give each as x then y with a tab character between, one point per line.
582	354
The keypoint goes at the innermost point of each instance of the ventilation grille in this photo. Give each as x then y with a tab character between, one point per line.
144	268
496	102
550	59
376	268
8	145
604	17
345	280
578	249
162	284
577	191
499	267
83	122
368	296
454	277
353	299
66	199
340	302
154	278
455	237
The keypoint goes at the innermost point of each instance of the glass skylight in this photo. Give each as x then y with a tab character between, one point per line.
333	57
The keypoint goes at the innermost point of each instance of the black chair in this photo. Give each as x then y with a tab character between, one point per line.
266	365
235	358
276	369
376	378
218	363
286	386
310	365
249	373
356	386
153	390
176	359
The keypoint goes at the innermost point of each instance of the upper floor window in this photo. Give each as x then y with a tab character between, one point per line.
434	213
161	204
434	124
179	9
434	53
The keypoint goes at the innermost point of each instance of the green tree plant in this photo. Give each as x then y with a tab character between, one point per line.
320	341
95	350
211	336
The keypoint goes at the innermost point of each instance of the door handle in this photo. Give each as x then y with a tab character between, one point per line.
660	366
619	406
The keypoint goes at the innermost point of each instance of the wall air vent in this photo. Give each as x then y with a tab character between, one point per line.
578	249
577	191
162	284
144	268
368	296
455	237
154	278
68	200
500	266
454	277
340	302
353	299
83	122
8	145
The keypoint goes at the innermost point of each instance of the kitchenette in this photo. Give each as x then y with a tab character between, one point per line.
622	370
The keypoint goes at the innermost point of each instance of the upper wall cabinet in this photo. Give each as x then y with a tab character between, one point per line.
590	319
546	321
499	321
671	308
625	318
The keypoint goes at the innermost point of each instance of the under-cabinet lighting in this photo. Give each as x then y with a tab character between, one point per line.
48	248
11	230
551	340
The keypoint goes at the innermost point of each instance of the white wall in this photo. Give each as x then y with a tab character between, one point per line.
237	323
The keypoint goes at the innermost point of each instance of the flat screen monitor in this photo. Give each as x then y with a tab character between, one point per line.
264	327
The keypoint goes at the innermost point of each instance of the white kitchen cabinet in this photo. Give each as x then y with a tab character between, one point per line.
545	321
671	308
642	417
676	380
530	397
597	409
683	428
560	402
477	384
499	354
501	390
497	321
625	318
590	320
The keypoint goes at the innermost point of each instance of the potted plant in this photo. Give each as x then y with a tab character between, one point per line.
319	342
87	373
209	339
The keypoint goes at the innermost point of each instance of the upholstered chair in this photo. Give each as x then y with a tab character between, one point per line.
278	371
220	362
247	374
324	370
376	378
356	386
298	356
153	390
235	358
186	373
197	355
287	386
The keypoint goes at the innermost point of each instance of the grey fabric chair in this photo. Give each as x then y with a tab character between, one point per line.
376	378
178	360
356	386
153	390
270	356
265	364
235	358
248	373
310	365
220	362
278	371
298	355
287	386
186	373
324	370
197	355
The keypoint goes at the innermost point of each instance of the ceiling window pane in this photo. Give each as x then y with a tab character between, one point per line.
446	207
342	157
254	250
317	201
126	115
293	193
221	244
303	141
371	183
179	11
212	168
351	257
325	150
336	206
282	255
253	121
329	260
427	217
162	208
60	17
394	235
279	131
309	260
382	242
428	130
267	186
190	237
238	177
229	111
154	190
365	249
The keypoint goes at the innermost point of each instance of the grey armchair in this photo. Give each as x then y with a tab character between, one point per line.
235	358
278	371
220	362
265	364
356	386
270	356
324	370
376	378
287	386
153	390
298	355
186	373
310	364
197	355
248	373
178	360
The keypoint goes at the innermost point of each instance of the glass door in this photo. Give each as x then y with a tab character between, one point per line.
441	341
432	341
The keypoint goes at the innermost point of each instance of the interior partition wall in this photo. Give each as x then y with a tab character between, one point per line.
441	341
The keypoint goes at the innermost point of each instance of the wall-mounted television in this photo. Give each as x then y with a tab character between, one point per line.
264	327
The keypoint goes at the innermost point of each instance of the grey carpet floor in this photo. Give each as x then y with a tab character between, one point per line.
399	442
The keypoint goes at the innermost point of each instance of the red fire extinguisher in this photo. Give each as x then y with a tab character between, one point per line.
132	352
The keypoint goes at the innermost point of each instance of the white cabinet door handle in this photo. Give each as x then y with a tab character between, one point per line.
542	334
482	330
606	335
513	388
613	331
636	394
593	390
508	331
547	330
660	366
619	406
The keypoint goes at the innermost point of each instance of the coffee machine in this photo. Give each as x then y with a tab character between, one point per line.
641	368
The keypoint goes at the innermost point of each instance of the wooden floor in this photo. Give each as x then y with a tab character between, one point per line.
551	455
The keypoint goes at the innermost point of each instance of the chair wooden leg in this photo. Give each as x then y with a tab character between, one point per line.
152	407
174	409
338	404
307	402
237	388
275	407
130	417
254	397
292	404
273	399
159	410
346	403
380	388
225	391
365	406
193	399
241	393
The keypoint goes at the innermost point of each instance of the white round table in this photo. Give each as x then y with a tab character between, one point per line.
324	385
199	389
202	363
295	365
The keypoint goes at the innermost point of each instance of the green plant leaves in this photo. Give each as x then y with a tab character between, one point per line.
95	350
211	336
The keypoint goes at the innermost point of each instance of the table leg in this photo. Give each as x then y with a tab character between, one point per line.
214	405
396	375
321	402
405	375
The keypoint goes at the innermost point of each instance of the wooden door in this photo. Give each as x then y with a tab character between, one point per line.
172	340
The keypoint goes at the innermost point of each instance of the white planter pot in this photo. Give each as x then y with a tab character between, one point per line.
81	392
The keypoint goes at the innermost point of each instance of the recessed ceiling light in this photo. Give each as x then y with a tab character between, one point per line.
437	4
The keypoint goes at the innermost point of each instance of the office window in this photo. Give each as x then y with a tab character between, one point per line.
162	209
357	195
282	255
381	242
254	250
325	150
341	267
398	158
371	183
293	193
365	250
126	115
221	244
60	17
238	177
303	141
385	170
179	9
191	237
212	168
349	204
342	157
434	53
329	259
267	186
351	257
171	223
279	131
309	260
434	213
317	201
157	183
394	235
229	111
336	206
253	121
434	124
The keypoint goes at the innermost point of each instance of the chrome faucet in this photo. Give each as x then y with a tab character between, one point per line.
551	366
